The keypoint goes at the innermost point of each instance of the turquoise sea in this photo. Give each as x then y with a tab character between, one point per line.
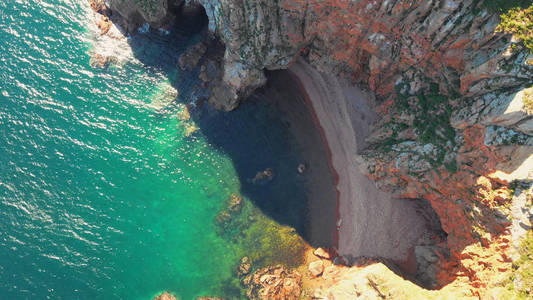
104	196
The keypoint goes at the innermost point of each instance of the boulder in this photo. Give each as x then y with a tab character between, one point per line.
316	268
322	253
273	283
190	59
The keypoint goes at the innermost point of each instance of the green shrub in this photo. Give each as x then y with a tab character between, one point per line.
518	21
504	5
528	100
524	267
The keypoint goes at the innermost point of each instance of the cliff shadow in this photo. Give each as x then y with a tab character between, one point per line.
271	138
273	132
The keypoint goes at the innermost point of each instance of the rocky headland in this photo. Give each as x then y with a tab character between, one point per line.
426	110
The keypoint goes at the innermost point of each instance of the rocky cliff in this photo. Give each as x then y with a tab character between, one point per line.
452	89
373	42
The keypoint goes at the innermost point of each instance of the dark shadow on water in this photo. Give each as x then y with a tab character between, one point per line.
272	129
261	134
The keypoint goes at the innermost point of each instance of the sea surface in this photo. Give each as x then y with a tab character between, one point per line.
109	188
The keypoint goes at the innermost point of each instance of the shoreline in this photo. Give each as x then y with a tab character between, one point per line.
318	176
322	133
369	222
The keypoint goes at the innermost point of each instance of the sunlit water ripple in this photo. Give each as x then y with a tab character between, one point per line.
100	196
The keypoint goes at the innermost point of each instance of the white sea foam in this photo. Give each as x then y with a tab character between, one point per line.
114	44
144	29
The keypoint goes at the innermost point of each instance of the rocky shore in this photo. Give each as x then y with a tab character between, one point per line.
425	108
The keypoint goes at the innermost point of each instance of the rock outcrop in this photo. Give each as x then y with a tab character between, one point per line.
136	13
273	283
165	296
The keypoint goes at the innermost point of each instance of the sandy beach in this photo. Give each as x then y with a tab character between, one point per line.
370	222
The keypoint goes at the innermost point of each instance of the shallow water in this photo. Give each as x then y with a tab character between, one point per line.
104	197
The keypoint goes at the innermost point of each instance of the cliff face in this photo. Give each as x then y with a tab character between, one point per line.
453	43
455	127
374	42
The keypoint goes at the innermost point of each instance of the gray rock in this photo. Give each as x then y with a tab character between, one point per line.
190	59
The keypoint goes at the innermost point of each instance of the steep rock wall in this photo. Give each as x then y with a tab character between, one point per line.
373	42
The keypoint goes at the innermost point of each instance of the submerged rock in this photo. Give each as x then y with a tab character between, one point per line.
263	177
245	266
184	114
223	217
164	97
235	203
190	59
233	208
190	129
101	61
165	296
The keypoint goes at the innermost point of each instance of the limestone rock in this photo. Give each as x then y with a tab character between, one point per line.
497	136
343	38
233	208
274	283
499	109
316	268
322	253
